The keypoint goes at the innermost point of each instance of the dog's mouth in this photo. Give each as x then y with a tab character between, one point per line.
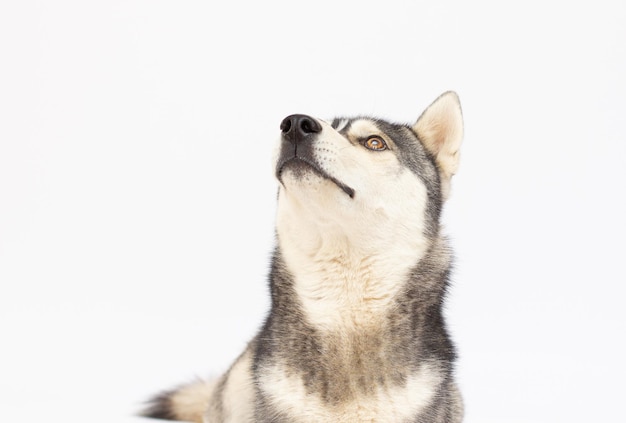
299	165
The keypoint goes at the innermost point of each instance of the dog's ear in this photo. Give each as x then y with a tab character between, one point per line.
440	129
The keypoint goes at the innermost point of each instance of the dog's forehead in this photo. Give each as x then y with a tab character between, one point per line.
363	125
360	128
340	124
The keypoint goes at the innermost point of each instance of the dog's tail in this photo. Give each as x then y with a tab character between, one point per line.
187	402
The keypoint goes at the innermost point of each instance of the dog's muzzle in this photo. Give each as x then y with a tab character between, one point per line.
298	137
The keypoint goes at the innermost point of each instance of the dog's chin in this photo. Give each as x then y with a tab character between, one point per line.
301	173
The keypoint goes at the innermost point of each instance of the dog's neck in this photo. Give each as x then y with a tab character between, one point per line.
347	276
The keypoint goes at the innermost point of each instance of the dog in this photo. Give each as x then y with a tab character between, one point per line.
358	278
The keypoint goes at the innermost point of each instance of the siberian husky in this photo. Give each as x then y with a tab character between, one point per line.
357	280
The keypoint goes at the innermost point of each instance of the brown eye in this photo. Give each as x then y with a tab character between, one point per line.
376	144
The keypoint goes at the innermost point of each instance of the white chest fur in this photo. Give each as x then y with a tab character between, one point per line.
287	392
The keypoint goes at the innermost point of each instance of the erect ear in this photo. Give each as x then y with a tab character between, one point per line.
440	129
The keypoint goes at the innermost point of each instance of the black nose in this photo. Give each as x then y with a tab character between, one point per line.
296	128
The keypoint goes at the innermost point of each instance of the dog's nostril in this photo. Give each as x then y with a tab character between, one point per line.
306	126
285	125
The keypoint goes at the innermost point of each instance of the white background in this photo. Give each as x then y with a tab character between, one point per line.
137	198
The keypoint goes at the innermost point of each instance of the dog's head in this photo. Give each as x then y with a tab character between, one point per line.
366	179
